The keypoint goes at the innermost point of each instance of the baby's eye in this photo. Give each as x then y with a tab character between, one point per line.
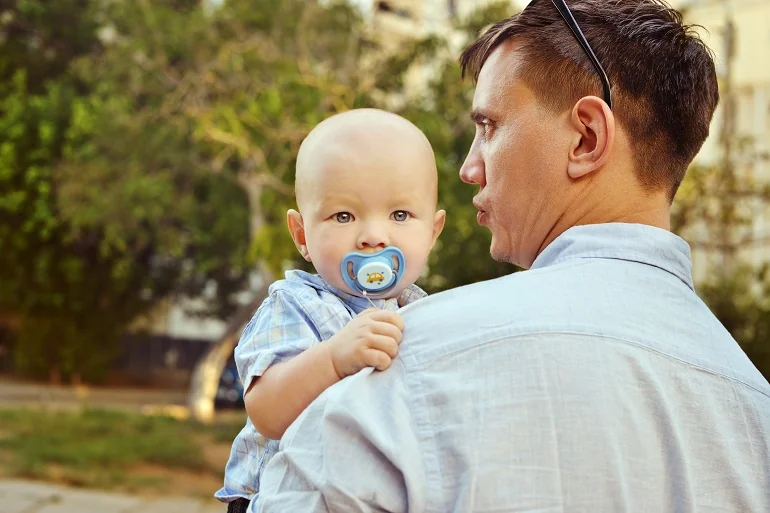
343	217
400	215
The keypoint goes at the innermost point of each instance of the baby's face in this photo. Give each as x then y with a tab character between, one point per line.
368	200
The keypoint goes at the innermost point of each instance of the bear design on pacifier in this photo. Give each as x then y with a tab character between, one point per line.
373	275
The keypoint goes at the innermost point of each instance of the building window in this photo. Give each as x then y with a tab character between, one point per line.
388	7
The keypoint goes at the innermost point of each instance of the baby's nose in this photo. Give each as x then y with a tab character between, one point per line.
373	236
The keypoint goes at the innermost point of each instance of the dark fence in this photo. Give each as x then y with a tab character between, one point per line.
157	360
141	360
150	353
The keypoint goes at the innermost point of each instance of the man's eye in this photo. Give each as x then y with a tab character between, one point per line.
485	128
400	215
343	217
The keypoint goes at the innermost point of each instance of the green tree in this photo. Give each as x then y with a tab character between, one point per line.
104	207
37	262
266	89
275	72
741	301
442	110
154	154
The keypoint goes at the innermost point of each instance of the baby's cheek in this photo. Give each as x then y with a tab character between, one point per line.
415	263
329	260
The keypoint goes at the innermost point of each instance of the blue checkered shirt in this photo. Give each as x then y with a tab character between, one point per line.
300	311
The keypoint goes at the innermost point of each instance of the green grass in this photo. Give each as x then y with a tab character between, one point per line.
98	448
225	432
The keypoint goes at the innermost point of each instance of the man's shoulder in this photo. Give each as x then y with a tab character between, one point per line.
521	303
615	301
519	295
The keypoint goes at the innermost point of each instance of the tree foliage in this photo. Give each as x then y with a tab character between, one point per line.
104	207
148	151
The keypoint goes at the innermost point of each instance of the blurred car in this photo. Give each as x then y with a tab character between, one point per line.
230	390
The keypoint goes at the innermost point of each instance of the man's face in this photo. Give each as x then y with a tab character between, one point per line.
518	159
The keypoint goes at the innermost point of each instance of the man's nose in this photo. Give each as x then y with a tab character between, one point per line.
472	170
373	235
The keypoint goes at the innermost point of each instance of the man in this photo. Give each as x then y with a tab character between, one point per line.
595	381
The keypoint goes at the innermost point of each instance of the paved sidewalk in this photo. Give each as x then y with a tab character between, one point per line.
33	497
14	393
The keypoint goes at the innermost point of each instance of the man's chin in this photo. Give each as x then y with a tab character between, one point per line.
500	254
497	253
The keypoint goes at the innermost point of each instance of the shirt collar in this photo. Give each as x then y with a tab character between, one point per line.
356	303
619	241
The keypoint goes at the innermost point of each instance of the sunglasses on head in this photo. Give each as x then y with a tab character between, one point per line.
561	6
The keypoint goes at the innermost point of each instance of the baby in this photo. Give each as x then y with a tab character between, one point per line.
366	188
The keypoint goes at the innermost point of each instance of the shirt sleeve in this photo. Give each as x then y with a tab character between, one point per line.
354	449
280	330
411	294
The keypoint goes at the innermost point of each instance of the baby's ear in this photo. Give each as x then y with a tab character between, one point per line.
297	231
438	224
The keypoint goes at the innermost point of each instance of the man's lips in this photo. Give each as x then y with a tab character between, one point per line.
481	216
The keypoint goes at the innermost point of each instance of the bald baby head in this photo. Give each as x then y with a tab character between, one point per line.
366	180
364	141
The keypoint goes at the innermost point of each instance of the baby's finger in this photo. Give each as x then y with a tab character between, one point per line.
385	344
386	329
377	359
389	316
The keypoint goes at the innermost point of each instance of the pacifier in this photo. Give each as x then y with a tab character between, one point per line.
375	274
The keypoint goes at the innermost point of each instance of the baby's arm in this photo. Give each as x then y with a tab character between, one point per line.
276	399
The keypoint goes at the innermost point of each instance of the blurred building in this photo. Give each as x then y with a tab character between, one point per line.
181	318
738	31
395	21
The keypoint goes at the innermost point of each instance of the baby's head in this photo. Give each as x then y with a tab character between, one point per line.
366	179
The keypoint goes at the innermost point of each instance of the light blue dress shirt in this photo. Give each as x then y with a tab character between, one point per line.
597	381
300	311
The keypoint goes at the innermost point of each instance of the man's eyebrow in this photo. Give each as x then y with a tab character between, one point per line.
478	117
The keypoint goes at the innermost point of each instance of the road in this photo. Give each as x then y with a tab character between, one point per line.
32	497
14	393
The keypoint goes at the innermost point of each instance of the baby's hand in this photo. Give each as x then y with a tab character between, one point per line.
369	340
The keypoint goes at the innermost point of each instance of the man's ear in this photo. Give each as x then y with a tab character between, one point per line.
594	125
438	225
297	230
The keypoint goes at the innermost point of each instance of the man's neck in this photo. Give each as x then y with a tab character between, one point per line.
653	210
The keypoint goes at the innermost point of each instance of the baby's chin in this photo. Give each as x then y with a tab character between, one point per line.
396	292
392	294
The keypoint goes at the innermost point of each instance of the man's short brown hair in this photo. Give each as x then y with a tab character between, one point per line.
663	79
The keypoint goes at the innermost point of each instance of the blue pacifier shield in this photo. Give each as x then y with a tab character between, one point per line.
374	273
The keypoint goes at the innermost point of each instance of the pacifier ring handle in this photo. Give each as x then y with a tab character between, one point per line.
369	299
